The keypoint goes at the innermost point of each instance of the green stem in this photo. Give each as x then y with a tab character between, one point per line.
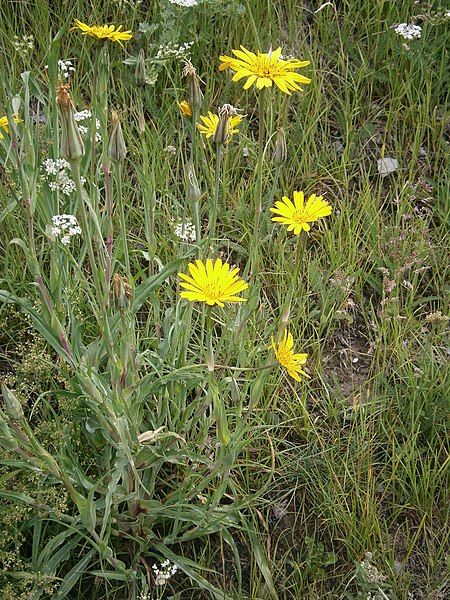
213	220
299	260
109	232
209	344
123	230
75	168
258	183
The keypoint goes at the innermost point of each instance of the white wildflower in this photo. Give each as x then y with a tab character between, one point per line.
186	3
185	231
64	227
82	115
52	167
164	572
23	46
66	68
172	50
57	177
371	573
408	31
85	115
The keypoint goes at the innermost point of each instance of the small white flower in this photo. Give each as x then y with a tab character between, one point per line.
185	231
164	572
186	3
409	32
82	115
171	50
64	227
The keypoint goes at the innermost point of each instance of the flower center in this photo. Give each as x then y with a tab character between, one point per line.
284	356
212	291
299	217
265	69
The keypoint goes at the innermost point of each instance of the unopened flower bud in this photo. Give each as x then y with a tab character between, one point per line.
6	439
223	126
72	147
121	291
195	93
117	149
140	71
185	109
13	406
193	188
280	152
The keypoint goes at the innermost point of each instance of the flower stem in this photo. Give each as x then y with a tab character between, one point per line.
213	220
209	345
299	259
258	183
109	231
123	230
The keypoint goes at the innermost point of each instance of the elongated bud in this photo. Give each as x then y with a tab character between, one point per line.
13	406
121	291
72	147
280	152
140	71
117	149
195	93
6	439
193	189
223	127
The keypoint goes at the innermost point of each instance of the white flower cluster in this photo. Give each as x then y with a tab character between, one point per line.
53	167
186	3
371	573
165	572
62	182
185	231
23	46
409	32
64	227
66	68
171	50
85	115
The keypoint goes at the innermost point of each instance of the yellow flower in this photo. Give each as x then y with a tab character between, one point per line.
212	283
185	109
104	32
210	123
4	123
284	352
265	69
296	215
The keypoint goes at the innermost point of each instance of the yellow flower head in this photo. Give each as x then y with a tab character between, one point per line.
297	215
209	126
213	283
284	352
4	123
185	109
104	32
265	69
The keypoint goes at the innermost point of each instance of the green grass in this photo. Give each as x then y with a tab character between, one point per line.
255	485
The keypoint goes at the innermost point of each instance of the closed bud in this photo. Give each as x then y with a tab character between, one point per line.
195	93
223	127
193	189
6	439
72	147
117	149
121	291
140	71
280	152
13	406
